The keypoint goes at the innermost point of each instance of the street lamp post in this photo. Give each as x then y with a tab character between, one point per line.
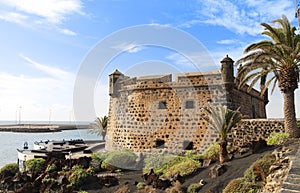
20	109
50	111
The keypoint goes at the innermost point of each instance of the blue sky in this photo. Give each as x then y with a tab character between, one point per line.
44	42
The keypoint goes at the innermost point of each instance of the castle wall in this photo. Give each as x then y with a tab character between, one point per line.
149	114
153	113
249	130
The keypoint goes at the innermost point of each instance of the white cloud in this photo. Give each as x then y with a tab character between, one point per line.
45	12
240	16
67	32
54	72
229	41
36	95
128	47
13	17
193	61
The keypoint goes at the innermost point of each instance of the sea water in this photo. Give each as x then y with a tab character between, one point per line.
11	141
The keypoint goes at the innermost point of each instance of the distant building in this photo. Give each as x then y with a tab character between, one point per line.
152	113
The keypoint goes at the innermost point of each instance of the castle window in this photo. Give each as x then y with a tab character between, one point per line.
189	104
159	143
162	105
188	145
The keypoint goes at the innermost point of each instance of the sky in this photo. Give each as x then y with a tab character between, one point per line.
45	45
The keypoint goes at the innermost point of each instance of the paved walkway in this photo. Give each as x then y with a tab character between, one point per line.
292	182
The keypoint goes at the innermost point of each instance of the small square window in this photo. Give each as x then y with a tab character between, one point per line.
162	105
189	104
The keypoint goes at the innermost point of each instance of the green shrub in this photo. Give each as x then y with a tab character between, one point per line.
191	154
277	138
78	175
123	159
241	185
185	167
97	159
155	161
140	185
212	152
35	165
51	168
48	180
9	169
169	165
259	170
194	188
298	123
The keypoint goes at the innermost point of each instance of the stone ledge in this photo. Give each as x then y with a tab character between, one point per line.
288	191
290	186
293	180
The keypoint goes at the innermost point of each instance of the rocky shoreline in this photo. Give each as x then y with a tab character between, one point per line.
35	128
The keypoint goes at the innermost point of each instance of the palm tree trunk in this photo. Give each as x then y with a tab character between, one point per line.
290	121
223	152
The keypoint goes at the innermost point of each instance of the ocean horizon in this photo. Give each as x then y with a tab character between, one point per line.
11	141
46	122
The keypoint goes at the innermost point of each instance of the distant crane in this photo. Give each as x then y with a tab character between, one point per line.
297	12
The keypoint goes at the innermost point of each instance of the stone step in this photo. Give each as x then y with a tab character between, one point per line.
291	186
289	191
293	180
294	170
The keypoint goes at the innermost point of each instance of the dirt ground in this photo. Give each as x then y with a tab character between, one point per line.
235	169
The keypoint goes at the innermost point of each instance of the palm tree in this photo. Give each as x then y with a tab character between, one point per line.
278	59
223	120
100	126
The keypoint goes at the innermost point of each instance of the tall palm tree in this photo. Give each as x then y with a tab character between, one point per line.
223	120
278	59
100	126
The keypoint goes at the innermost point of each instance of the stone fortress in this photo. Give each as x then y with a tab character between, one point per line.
154	113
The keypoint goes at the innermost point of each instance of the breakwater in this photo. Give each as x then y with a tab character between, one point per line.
34	128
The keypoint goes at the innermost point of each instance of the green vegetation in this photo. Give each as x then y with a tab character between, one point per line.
9	169
212	152
275	61
97	159
176	165
140	185
259	170
194	188
123	159
277	138
185	167
223	120
51	168
100	126
156	161
35	165
241	185
192	155
77	176
254	176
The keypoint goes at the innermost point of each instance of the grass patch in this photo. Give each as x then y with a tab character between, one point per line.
194	188
277	138
169	165
241	185
156	161
140	185
259	170
123	159
212	152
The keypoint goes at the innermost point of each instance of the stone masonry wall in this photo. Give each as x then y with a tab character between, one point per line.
155	114
249	130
